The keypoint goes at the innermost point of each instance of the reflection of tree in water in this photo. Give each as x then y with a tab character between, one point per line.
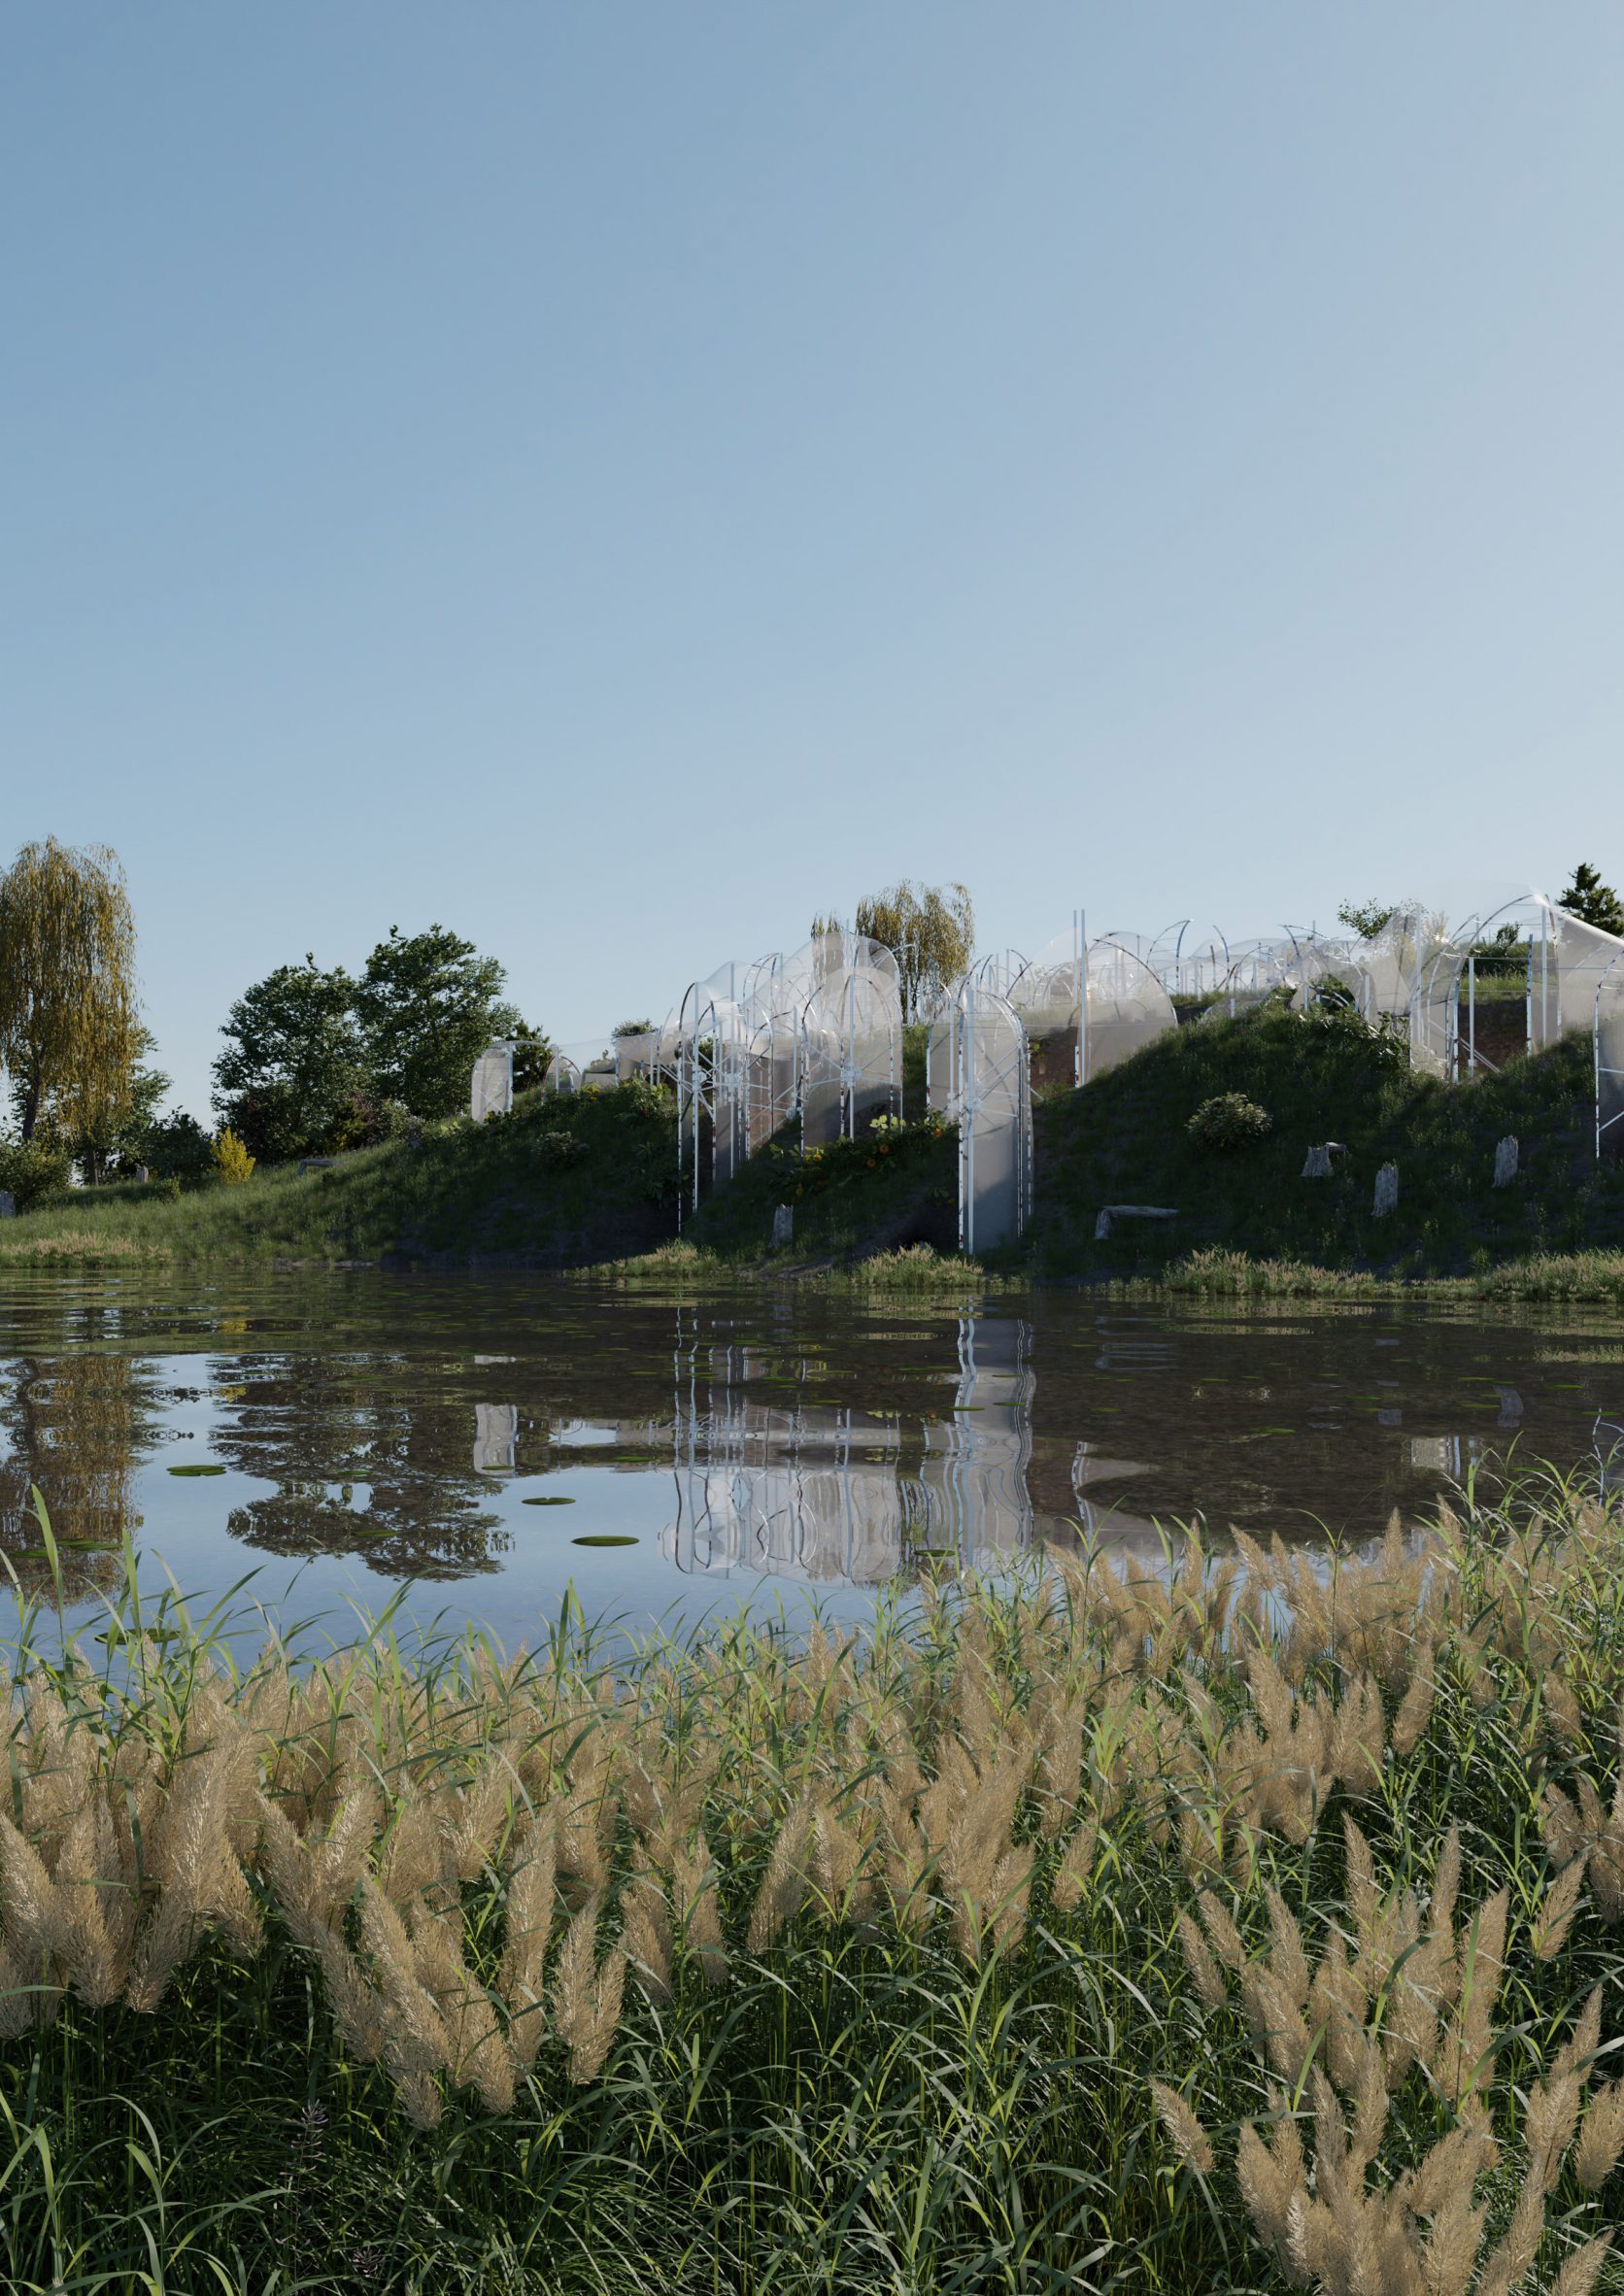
316	1428
78	1425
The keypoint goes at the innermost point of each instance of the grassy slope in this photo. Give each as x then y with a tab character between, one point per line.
856	1196
1123	1139
574	1182
558	1183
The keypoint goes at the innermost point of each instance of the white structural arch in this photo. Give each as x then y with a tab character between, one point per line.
978	1078
491	1093
1089	1005
1607	1037
819	1031
1514	981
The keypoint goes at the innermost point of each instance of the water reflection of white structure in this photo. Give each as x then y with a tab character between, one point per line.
975	1500
496	1439
1101	1522
822	1496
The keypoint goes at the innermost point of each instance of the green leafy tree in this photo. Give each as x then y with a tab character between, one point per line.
1364	918
291	1080
33	1171
428	1003
175	1147
68	1027
928	928
1592	902
532	1050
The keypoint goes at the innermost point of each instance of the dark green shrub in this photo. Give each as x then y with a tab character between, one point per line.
33	1170
1228	1122
175	1147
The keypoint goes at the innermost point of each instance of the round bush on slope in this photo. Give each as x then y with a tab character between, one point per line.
1228	1122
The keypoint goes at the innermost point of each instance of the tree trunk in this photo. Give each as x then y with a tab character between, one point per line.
31	1099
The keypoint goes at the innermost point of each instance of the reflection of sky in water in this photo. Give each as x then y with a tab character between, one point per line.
378	1431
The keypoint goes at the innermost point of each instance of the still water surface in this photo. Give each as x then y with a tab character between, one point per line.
498	1439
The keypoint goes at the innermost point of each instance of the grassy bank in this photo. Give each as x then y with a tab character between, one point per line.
1196	1932
560	1181
1594	1277
893	1188
1123	1140
592	1181
909	1268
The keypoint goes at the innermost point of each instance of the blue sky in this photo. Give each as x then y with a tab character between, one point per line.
617	479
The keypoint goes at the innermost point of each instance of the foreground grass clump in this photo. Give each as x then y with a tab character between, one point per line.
1243	1924
1214	1274
909	1267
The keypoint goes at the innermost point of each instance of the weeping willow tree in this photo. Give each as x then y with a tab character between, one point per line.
931	932
69	1035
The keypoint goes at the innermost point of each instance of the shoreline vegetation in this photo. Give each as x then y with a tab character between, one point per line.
1223	1925
589	1183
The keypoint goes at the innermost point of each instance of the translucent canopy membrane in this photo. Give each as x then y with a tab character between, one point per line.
1165	954
648	1053
999	972
1609	1034
1106	985
1514	981
820	1029
714	1034
851	1043
1127	1008
1331	971
1048	992
491	1091
977	1076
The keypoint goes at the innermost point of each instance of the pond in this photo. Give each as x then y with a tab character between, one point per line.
493	1441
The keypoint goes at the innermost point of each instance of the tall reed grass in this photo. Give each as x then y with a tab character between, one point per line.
1246	1924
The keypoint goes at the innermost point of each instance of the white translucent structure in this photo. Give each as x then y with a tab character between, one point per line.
819	1031
648	1053
564	1075
772	1077
714	1034
1166	953
1393	963
1323	969
1607	1029
998	970
851	1043
491	1091
1088	1004
1462	1024
776	993
979	1079
1125	1008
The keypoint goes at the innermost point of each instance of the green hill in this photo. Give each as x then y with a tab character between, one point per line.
570	1182
558	1183
1123	1140
896	1187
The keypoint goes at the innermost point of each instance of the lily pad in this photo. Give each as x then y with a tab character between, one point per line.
604	1538
197	1470
552	1499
